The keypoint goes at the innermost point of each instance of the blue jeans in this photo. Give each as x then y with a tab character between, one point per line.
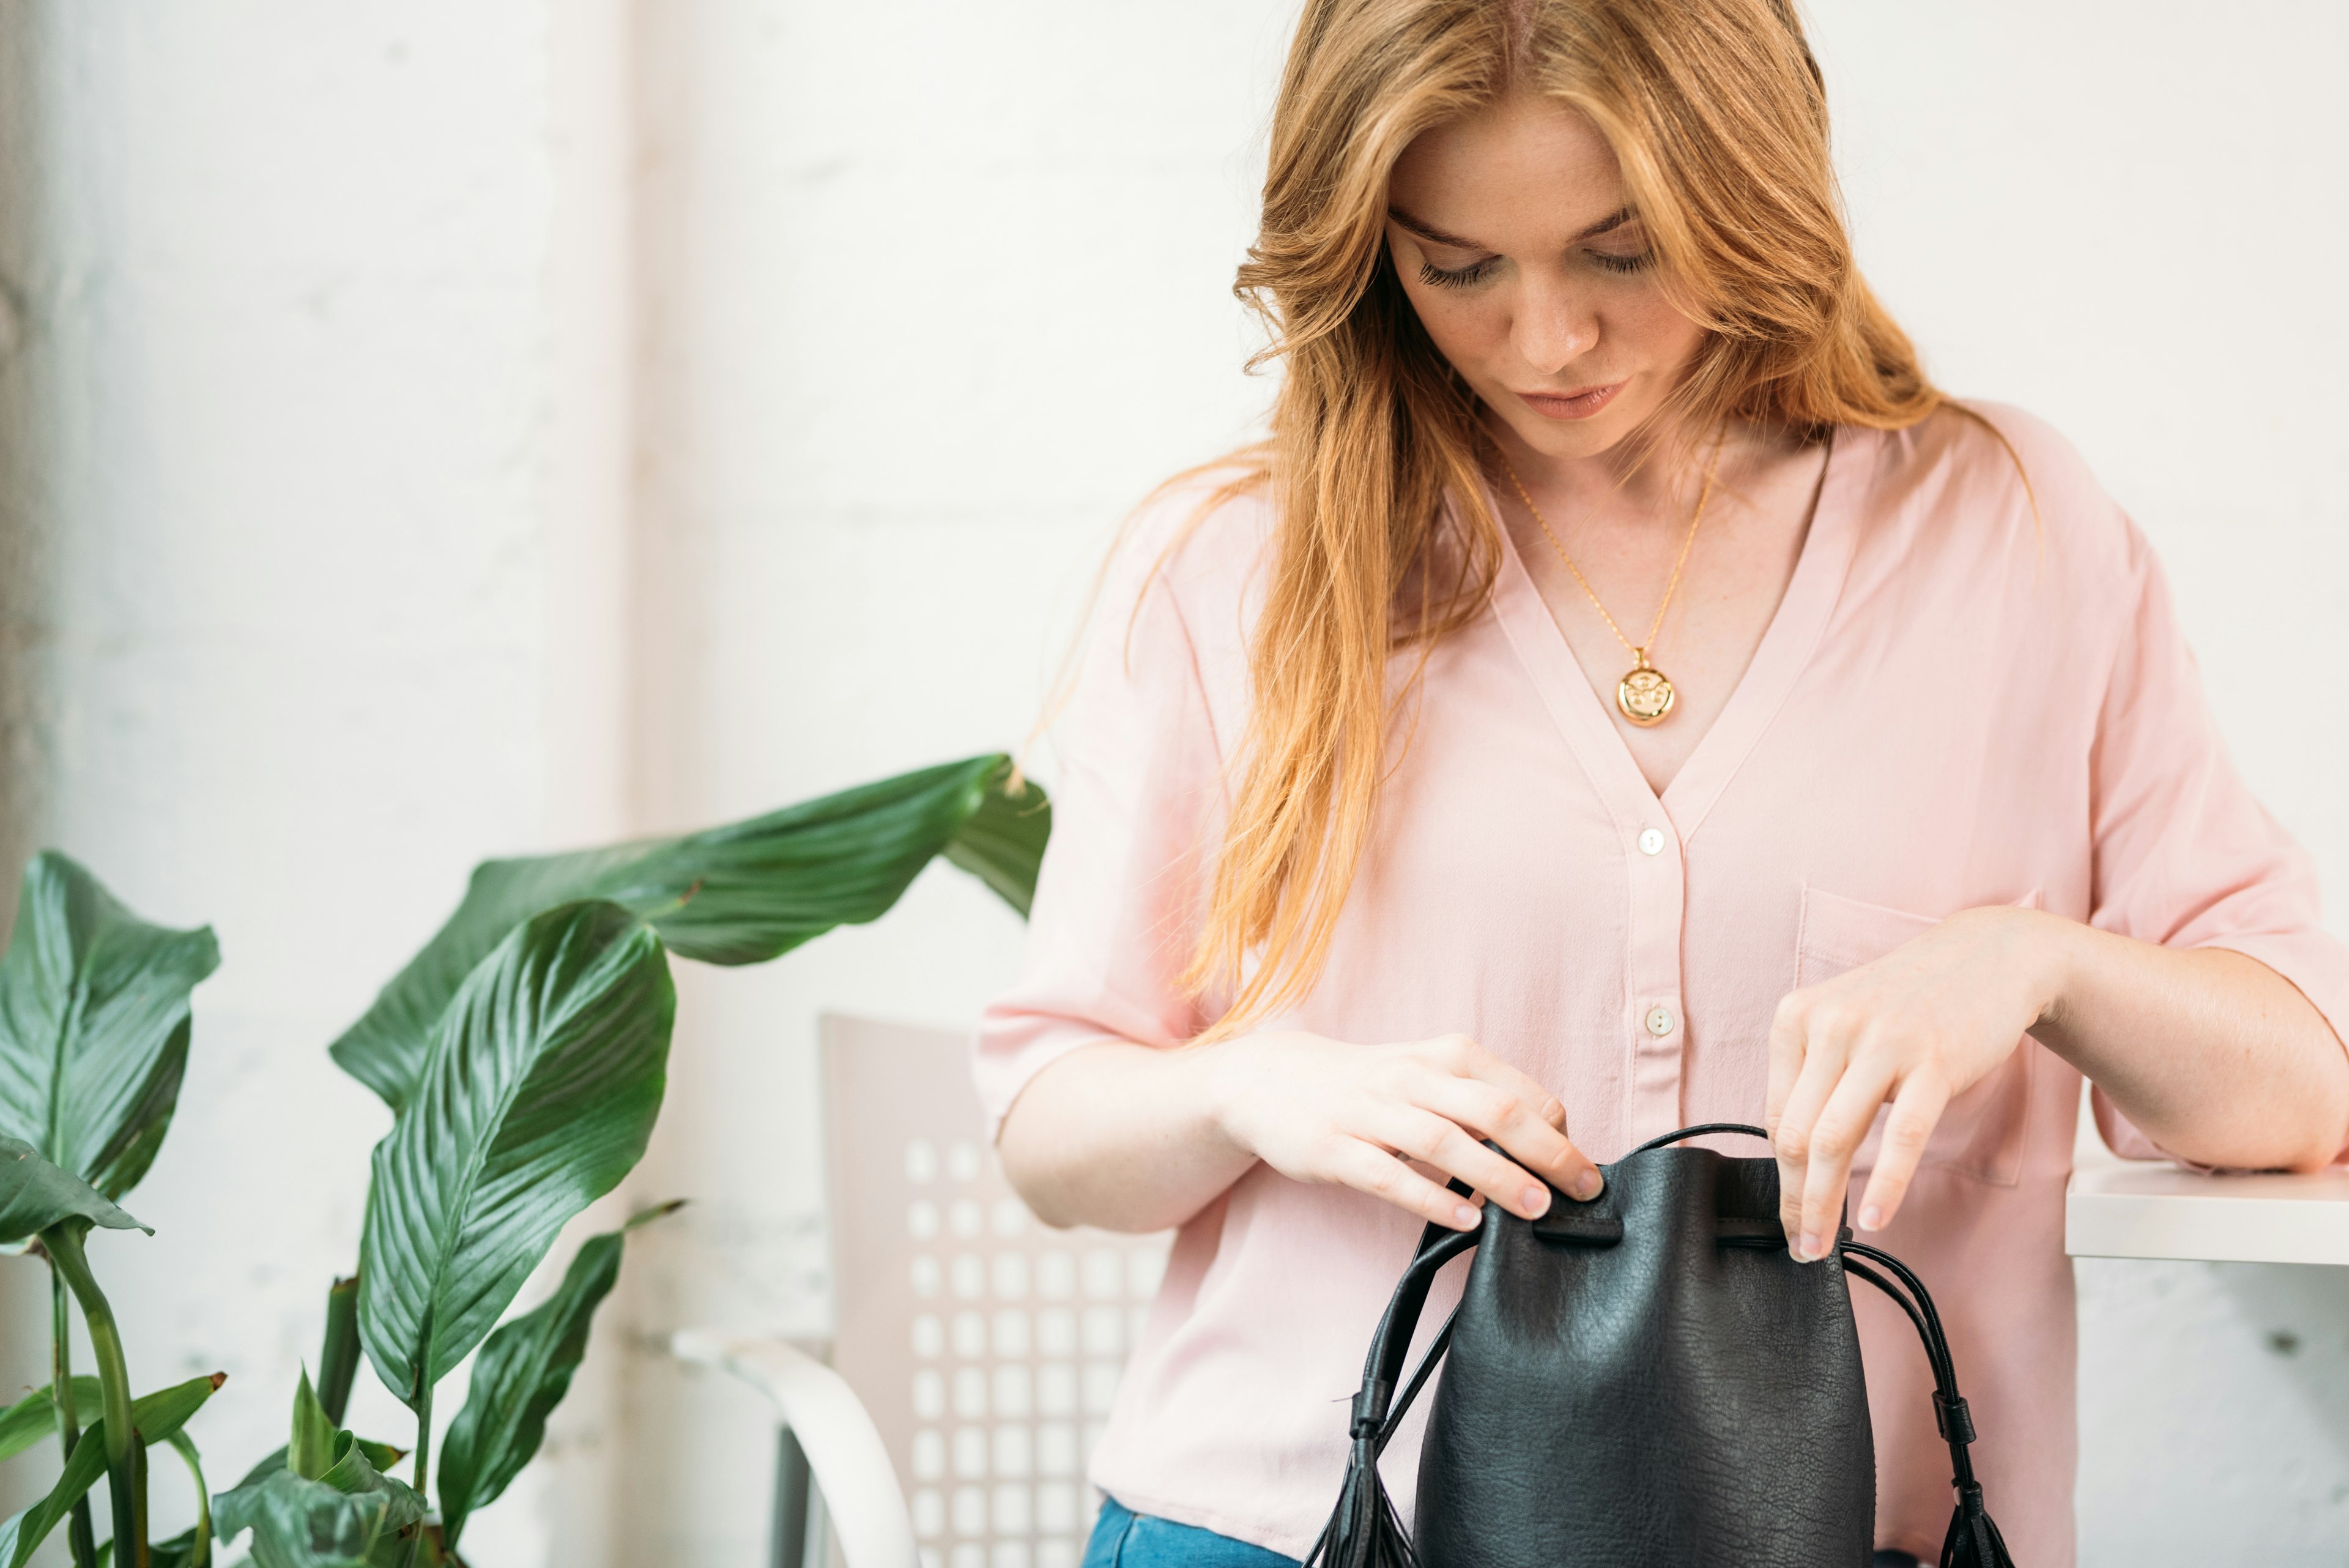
1124	1539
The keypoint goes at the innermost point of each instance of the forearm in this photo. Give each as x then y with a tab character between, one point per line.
1122	1137
2211	1054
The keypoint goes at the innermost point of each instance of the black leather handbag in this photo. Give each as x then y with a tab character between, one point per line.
1646	1380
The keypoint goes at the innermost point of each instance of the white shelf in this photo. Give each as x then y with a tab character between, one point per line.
2132	1208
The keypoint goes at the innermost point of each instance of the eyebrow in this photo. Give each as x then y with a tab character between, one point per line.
1428	232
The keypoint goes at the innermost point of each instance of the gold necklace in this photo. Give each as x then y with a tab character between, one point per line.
1645	693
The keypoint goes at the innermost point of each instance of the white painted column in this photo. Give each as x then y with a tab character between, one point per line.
313	499
932	294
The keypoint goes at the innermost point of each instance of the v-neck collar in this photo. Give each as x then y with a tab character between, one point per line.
1778	661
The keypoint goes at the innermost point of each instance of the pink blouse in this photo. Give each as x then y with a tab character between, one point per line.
1955	705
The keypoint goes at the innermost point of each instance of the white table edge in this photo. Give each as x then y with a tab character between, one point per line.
2127	1209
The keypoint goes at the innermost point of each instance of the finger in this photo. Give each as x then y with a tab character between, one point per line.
1786	1040
1565	1166
1366	1167
1522	1130
1823	1063
1916	1111
1461	1057
1841	1127
1443	1143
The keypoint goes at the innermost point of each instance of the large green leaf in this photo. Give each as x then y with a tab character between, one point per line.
191	1548
1002	844
158	1417
93	1025
521	1375
310	1449
34	1417
332	1521
384	1457
544	1080
35	1195
27	1422
338	1356
735	894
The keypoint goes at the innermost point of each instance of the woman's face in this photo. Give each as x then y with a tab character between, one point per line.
1511	233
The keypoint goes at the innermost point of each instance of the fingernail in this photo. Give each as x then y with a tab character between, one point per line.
1465	1214
1587	1187
1813	1249
1871	1218
1535	1200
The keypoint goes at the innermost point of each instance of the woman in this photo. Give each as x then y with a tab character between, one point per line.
1624	692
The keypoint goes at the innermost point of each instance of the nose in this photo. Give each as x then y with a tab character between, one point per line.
1553	327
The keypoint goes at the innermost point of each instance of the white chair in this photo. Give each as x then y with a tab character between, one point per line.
974	1352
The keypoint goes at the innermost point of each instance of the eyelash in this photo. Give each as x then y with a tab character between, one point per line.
1462	278
1474	273
1639	263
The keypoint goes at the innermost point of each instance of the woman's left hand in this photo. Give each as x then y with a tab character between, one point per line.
1917	1027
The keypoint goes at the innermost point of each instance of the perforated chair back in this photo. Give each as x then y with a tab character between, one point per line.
985	1347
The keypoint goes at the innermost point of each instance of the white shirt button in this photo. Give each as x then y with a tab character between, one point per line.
1652	841
1660	1021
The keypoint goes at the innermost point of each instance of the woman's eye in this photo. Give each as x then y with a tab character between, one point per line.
1608	262
1456	277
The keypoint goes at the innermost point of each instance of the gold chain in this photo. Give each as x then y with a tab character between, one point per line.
1639	649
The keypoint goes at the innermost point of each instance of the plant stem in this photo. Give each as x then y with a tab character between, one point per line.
80	1540
424	1455
137	1558
64	1244
423	1440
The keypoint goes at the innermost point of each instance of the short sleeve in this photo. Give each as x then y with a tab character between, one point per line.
2184	855
1138	789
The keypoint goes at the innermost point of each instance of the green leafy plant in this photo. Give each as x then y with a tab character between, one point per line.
523	1053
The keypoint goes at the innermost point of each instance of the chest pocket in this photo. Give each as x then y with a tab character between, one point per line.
1981	1132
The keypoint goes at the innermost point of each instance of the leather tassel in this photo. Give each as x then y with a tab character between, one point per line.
1364	1532
1974	1541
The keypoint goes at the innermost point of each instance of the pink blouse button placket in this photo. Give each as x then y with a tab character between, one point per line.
1658	907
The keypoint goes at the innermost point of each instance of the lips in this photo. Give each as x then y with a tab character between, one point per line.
1579	403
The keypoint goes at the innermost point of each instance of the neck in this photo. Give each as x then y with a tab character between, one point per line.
1656	477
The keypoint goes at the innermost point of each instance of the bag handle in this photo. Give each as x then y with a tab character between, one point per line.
1974	1541
1383	1368
1700	1130
1438	1245
1363	1530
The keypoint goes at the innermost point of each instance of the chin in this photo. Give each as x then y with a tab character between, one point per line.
1571	438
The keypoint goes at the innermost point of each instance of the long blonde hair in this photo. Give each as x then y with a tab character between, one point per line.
1717	115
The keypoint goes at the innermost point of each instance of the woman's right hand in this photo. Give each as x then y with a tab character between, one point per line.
1321	1110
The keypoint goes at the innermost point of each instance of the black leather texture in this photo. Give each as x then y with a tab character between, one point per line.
1646	1380
1651	1380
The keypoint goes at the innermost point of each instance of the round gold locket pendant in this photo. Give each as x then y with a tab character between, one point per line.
1644	695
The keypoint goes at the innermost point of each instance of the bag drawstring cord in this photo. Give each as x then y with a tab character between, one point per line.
1974	1540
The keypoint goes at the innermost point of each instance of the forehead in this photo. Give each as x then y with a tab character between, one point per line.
1525	171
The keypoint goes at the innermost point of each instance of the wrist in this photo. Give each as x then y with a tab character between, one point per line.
1238	1084
1222	1071
2047	949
